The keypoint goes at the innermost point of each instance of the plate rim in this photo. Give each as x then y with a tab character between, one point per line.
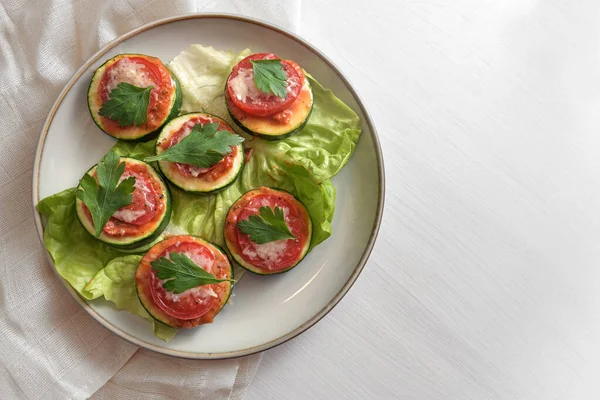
272	343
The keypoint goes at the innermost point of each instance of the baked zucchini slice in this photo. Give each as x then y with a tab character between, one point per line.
141	71
265	114
249	246
190	177
141	222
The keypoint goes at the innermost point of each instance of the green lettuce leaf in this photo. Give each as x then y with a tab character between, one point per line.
116	283
137	150
77	255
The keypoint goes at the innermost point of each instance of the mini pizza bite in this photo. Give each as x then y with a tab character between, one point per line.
268	231
211	163
268	97
138	223
163	278
131	96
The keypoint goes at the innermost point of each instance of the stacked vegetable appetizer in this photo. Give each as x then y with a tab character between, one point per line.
131	96
184	281
199	153
123	202
268	97
268	231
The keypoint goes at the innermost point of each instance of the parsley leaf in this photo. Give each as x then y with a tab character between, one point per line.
107	195
127	104
205	146
269	77
267	227
182	273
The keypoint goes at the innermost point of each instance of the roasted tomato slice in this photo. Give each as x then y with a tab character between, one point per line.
243	91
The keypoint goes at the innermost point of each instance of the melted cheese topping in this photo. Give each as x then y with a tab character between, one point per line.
264	202
271	252
130	72
243	85
127	215
201	294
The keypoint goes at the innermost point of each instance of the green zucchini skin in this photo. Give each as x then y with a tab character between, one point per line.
131	244
190	184
91	93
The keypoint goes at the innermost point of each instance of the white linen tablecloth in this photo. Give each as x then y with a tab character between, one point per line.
484	283
50	348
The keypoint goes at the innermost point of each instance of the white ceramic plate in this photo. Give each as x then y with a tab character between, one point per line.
264	311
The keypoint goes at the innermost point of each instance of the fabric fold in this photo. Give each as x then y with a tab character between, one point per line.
51	347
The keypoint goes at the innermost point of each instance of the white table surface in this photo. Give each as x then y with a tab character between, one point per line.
484	282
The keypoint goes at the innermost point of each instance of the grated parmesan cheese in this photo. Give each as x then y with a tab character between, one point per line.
130	72
128	215
243	85
270	252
